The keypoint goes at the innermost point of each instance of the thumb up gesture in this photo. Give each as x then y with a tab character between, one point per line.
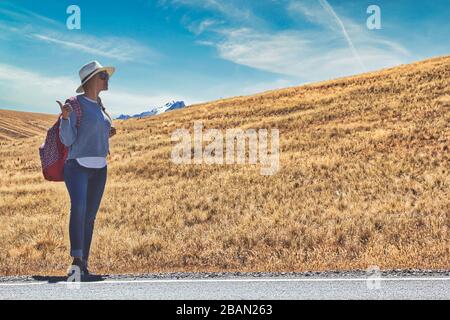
65	109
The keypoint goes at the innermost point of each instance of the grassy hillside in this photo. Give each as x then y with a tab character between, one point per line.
16	124
363	180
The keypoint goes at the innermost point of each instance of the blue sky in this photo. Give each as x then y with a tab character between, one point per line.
201	50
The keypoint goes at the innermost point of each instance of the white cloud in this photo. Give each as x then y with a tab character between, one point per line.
264	51
48	31
279	83
336	46
305	55
312	11
230	9
199	27
23	15
121	49
330	10
121	102
32	91
28	90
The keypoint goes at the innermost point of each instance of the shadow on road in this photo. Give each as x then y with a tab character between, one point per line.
55	279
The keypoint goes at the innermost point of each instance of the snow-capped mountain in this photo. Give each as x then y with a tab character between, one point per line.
172	105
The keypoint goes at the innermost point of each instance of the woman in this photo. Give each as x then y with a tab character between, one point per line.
85	169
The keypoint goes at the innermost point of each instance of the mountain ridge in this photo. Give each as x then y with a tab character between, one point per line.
170	106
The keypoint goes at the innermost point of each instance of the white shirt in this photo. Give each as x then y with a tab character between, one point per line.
92	162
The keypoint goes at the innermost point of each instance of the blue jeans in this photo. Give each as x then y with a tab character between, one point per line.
85	186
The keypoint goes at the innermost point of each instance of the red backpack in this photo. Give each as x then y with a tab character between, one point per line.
53	152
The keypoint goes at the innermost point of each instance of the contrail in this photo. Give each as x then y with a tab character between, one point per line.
330	10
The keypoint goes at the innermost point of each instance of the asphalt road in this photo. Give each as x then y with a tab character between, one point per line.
231	286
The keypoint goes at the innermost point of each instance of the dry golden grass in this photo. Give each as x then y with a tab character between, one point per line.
363	181
17	124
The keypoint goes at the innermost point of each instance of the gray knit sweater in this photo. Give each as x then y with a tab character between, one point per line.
91	139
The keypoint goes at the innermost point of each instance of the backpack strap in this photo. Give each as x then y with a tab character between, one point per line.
73	101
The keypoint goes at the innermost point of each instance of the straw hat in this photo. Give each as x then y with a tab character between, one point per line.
91	69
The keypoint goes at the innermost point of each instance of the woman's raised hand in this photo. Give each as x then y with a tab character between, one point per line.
65	109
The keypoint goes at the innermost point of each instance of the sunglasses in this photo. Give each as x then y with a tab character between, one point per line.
103	75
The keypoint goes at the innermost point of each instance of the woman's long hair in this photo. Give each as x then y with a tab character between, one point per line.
99	100
104	109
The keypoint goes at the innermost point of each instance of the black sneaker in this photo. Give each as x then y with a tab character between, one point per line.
84	268
87	276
